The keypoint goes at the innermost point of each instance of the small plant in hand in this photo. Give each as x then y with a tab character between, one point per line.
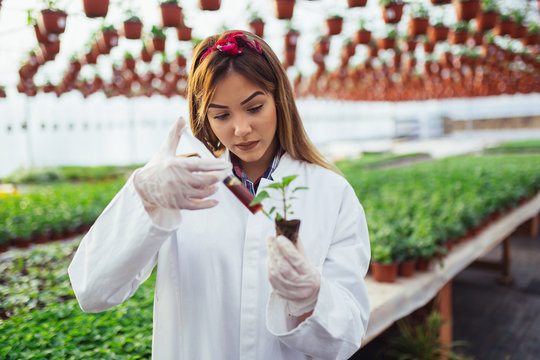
288	228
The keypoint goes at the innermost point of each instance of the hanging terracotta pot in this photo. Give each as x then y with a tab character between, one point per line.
410	45
393	12
133	28
44	38
129	63
466	9
157	44
518	31
323	46
52	21
458	37
291	38
96	8
146	55
181	61
90	57
107	39
386	43
290	56
356	3
334	24
284	8
183	32
171	14
429	46
257	27
504	27
530	39
437	33
362	36
210	5
418	26
486	20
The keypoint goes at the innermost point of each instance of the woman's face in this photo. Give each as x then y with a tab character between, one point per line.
243	117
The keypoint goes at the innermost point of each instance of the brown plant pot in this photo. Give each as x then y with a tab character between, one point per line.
518	31
406	268
129	64
290	56
418	26
158	44
392	13
356	3
44	38
384	272
211	5
257	27
323	47
184	33
107	40
362	37
4	248
466	10
96	8
504	27
284	9
437	33
291	38
458	37
386	43
52	21
441	2
146	55
486	20
132	29
288	228
50	49
334	25
181	61
530	39
171	15
422	264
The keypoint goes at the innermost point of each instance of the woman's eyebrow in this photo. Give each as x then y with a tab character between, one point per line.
256	93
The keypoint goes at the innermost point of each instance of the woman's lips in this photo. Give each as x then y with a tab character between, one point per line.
247	145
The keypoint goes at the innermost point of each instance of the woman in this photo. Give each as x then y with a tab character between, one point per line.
226	287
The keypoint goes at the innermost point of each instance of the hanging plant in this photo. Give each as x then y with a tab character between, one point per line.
356	3
158	39
419	20
437	31
51	19
334	24
392	10
107	39
362	35
486	19
171	13
183	32
209	5
459	33
466	9
256	23
180	59
132	27
284	9
322	46
291	36
146	55
441	2
519	30
505	25
389	40
96	8
129	61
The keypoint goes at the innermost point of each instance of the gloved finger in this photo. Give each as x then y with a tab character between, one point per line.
291	254
173	138
200	181
198	204
207	164
194	193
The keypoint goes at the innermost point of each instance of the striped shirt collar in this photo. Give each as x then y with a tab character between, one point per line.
241	175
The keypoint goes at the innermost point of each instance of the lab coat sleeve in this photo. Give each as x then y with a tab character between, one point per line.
338	324
117	254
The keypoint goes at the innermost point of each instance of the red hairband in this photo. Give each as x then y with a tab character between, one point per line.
231	45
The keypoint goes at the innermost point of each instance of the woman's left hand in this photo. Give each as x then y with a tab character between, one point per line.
292	274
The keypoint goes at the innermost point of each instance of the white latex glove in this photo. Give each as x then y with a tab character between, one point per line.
292	275
169	183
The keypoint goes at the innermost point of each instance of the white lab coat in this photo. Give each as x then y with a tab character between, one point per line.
213	299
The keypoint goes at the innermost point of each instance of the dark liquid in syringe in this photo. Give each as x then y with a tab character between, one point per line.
241	193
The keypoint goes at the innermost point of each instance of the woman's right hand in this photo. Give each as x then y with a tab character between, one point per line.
169	183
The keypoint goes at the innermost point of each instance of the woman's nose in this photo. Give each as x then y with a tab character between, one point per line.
242	127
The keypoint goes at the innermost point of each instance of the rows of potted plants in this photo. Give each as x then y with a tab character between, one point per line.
416	214
50	212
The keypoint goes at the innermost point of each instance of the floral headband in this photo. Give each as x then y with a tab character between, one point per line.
231	45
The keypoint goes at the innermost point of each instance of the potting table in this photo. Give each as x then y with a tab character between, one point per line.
392	301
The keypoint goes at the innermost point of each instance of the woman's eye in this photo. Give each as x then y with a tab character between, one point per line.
255	109
221	116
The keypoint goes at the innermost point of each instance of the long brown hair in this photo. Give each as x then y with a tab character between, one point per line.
267	72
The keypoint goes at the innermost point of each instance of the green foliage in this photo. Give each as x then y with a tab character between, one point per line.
285	198
489	5
47	322
413	210
419	10
157	32
385	3
523	146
